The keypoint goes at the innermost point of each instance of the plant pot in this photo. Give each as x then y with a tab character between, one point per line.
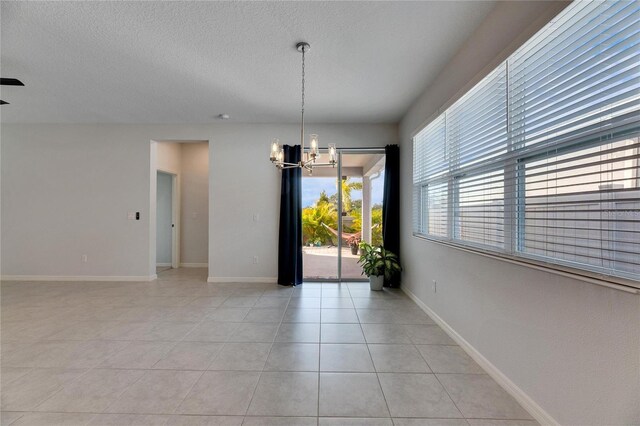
354	250
376	282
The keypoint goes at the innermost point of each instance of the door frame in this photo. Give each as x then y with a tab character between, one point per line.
340	151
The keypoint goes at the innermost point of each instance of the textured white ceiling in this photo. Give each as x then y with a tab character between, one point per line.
186	62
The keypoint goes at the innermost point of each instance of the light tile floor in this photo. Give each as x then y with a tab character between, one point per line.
179	351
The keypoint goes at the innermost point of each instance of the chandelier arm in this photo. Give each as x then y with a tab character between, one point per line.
324	164
290	166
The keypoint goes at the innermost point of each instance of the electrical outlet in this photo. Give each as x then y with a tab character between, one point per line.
435	286
255	260
84	258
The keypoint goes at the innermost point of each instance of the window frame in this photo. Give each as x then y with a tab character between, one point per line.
514	220
519	153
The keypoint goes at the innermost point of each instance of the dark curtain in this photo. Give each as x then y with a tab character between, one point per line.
290	240
391	206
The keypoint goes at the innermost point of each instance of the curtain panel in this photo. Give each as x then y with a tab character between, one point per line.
290	235
391	207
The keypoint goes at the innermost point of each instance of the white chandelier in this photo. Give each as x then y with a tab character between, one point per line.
308	159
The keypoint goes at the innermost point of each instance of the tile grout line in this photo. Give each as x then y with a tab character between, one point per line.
154	312
99	363
269	354
212	358
182	341
373	364
319	354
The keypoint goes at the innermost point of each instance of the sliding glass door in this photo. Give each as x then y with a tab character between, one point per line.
341	207
320	217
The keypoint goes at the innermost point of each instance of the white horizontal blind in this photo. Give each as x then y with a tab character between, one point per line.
582	207
429	161
479	216
430	152
437	205
574	96
477	123
541	159
578	75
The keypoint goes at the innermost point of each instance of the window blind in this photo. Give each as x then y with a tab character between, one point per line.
578	75
429	161
541	159
583	207
479	217
476	125
430	153
437	205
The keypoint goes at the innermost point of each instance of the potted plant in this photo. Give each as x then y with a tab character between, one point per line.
378	264
354	243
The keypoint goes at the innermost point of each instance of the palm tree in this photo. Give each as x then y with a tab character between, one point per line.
347	187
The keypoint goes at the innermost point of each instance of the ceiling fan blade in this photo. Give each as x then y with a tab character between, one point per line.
10	82
3	102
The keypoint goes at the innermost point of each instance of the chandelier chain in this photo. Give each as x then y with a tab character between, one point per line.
303	81
302	107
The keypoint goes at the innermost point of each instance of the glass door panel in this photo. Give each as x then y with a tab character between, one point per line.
362	184
320	224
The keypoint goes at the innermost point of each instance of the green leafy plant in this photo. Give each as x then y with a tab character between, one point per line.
376	221
312	219
376	261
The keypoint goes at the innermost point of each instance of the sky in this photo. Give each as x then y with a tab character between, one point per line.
312	186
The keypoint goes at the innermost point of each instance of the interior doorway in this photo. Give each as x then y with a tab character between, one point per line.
341	207
179	205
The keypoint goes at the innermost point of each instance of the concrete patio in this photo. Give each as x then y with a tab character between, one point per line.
322	263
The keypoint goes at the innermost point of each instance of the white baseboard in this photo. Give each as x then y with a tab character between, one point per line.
163	264
78	278
270	280
536	411
193	265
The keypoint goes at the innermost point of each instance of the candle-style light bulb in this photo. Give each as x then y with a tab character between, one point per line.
275	147
313	143
332	153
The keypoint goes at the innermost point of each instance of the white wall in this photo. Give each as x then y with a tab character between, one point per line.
169	157
66	191
164	216
194	203
571	346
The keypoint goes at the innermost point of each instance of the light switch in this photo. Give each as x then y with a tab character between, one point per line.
256	217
